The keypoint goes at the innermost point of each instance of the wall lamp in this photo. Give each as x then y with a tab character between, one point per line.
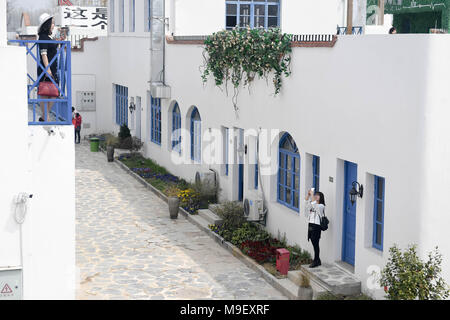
357	190
132	106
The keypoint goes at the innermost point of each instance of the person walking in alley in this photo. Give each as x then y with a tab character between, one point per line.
314	211
77	123
47	52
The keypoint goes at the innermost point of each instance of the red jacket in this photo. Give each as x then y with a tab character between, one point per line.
77	122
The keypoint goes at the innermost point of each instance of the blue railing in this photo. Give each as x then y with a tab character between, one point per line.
355	30
61	111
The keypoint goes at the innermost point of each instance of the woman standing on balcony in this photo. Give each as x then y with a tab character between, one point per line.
314	211
47	52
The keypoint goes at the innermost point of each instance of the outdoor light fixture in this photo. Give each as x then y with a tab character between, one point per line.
357	190
132	106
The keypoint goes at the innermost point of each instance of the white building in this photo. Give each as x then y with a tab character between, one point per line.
37	234
371	109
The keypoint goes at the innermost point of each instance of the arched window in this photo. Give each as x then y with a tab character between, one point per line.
288	173
196	135
176	128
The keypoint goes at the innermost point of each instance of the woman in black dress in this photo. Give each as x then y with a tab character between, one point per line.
47	52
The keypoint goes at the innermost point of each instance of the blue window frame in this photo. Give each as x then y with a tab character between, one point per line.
156	120
176	128
132	15
316	172
378	213
288	173
227	148
253	13
121	105
196	135
148	14
122	15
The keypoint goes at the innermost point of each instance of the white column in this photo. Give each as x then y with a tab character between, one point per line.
3	23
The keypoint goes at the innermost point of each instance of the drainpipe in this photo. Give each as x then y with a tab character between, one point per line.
158	87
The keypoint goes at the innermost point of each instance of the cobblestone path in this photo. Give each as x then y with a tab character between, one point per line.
128	248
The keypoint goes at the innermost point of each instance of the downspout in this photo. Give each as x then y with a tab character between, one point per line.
262	221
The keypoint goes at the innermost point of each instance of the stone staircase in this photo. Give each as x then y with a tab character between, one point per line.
334	278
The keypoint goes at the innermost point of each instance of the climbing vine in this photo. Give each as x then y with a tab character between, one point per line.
241	54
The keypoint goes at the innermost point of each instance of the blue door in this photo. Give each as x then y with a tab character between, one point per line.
241	167
349	229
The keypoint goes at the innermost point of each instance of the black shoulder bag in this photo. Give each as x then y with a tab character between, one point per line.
324	222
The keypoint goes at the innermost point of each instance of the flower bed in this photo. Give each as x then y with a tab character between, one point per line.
255	242
191	196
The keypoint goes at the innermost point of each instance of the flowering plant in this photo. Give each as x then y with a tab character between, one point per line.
189	200
241	54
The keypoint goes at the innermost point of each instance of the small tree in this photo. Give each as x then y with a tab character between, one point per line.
124	132
407	277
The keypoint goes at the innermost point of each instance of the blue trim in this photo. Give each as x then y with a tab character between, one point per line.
149	13
155	135
251	17
285	157
122	25
379	185
349	214
196	133
62	108
121	105
176	128
316	172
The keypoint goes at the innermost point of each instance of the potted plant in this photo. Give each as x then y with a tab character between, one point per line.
173	201
305	291
111	143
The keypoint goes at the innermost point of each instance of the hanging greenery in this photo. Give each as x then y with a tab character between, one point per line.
241	54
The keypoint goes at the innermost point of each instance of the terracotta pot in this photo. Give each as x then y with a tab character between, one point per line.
174	206
110	153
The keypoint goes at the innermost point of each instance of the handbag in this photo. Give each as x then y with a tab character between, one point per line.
324	222
48	88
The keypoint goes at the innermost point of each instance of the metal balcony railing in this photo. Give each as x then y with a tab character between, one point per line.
61	112
355	30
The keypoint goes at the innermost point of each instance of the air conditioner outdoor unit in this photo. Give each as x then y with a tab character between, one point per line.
206	178
253	209
158	90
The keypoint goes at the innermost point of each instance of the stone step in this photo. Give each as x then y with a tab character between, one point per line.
209	216
198	220
318	289
334	279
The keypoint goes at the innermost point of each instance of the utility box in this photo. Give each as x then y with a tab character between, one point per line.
11	284
283	261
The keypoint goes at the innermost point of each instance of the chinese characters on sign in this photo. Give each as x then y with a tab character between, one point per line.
85	17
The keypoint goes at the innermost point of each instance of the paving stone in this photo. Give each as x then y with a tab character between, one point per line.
128	248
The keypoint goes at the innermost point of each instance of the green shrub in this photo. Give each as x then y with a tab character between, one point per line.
407	277
248	231
124	132
232	214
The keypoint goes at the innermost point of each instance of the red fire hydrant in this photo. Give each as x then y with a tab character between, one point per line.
283	261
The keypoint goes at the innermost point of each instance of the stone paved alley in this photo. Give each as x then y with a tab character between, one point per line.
128	248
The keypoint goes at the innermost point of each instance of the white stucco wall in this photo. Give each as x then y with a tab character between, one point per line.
49	229
330	112
35	163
